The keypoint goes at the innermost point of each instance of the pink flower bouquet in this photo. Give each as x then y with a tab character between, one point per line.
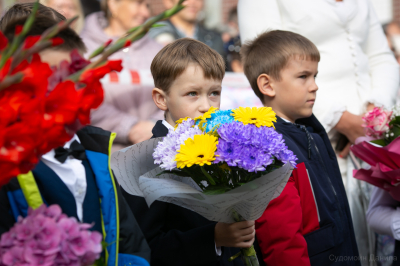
381	150
47	237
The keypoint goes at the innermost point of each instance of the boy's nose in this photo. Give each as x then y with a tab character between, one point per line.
204	106
314	87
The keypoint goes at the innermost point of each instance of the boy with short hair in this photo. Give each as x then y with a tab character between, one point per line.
77	176
187	75
310	222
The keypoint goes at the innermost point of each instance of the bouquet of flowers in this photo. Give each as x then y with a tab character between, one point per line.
381	150
222	150
48	237
225	165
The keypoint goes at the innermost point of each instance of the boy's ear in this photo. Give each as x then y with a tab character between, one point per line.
265	86
159	98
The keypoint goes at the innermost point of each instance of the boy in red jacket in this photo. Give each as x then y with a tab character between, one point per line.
310	222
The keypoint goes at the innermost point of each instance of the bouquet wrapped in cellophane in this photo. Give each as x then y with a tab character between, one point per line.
225	165
381	150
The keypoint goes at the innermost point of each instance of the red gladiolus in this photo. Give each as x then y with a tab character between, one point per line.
40	111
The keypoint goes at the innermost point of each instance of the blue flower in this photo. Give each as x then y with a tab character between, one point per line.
217	119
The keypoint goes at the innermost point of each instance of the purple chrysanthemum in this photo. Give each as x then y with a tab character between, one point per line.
254	160
250	147
228	152
287	156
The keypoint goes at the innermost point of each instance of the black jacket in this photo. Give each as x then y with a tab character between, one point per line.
177	236
54	191
334	243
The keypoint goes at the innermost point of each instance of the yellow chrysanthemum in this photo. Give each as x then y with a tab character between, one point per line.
263	116
199	150
179	121
207	114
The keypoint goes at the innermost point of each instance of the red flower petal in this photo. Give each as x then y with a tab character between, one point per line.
56	41
3	41
18	29
30	41
127	43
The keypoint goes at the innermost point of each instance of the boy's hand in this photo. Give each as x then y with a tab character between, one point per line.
239	235
141	131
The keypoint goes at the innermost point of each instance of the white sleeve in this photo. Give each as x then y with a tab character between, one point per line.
384	70
218	250
383	214
257	16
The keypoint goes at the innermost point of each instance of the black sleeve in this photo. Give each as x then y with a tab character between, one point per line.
132	240
7	219
169	245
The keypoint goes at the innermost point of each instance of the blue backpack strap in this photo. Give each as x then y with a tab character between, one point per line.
19	206
131	260
108	201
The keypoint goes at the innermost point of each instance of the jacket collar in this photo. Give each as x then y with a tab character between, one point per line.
309	122
159	130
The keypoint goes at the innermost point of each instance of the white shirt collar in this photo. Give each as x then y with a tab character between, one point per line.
167	125
50	155
285	120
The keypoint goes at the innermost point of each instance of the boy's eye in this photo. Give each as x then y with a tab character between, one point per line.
303	76
192	93
215	93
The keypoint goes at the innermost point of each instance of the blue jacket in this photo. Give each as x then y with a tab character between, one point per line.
103	205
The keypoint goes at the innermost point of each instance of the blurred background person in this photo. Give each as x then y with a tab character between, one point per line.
70	9
231	30
128	110
392	32
185	24
357	71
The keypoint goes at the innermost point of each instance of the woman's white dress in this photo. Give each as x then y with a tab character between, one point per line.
356	68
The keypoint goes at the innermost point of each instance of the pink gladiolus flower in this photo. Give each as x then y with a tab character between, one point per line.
48	237
376	122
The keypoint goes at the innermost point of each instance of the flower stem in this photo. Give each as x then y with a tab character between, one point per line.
249	255
210	179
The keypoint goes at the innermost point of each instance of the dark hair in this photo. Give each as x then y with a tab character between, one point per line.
233	15
174	58
270	52
40	25
25	9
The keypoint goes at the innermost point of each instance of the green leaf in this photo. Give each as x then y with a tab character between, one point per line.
395	121
381	142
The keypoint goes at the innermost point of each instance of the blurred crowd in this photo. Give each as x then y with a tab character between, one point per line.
128	109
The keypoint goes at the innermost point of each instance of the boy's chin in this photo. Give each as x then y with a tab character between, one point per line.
305	115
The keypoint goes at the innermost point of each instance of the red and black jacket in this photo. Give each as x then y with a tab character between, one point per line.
310	222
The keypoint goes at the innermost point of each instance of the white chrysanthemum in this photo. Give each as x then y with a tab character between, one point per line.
166	150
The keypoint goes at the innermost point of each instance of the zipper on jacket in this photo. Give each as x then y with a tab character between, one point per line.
327	176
